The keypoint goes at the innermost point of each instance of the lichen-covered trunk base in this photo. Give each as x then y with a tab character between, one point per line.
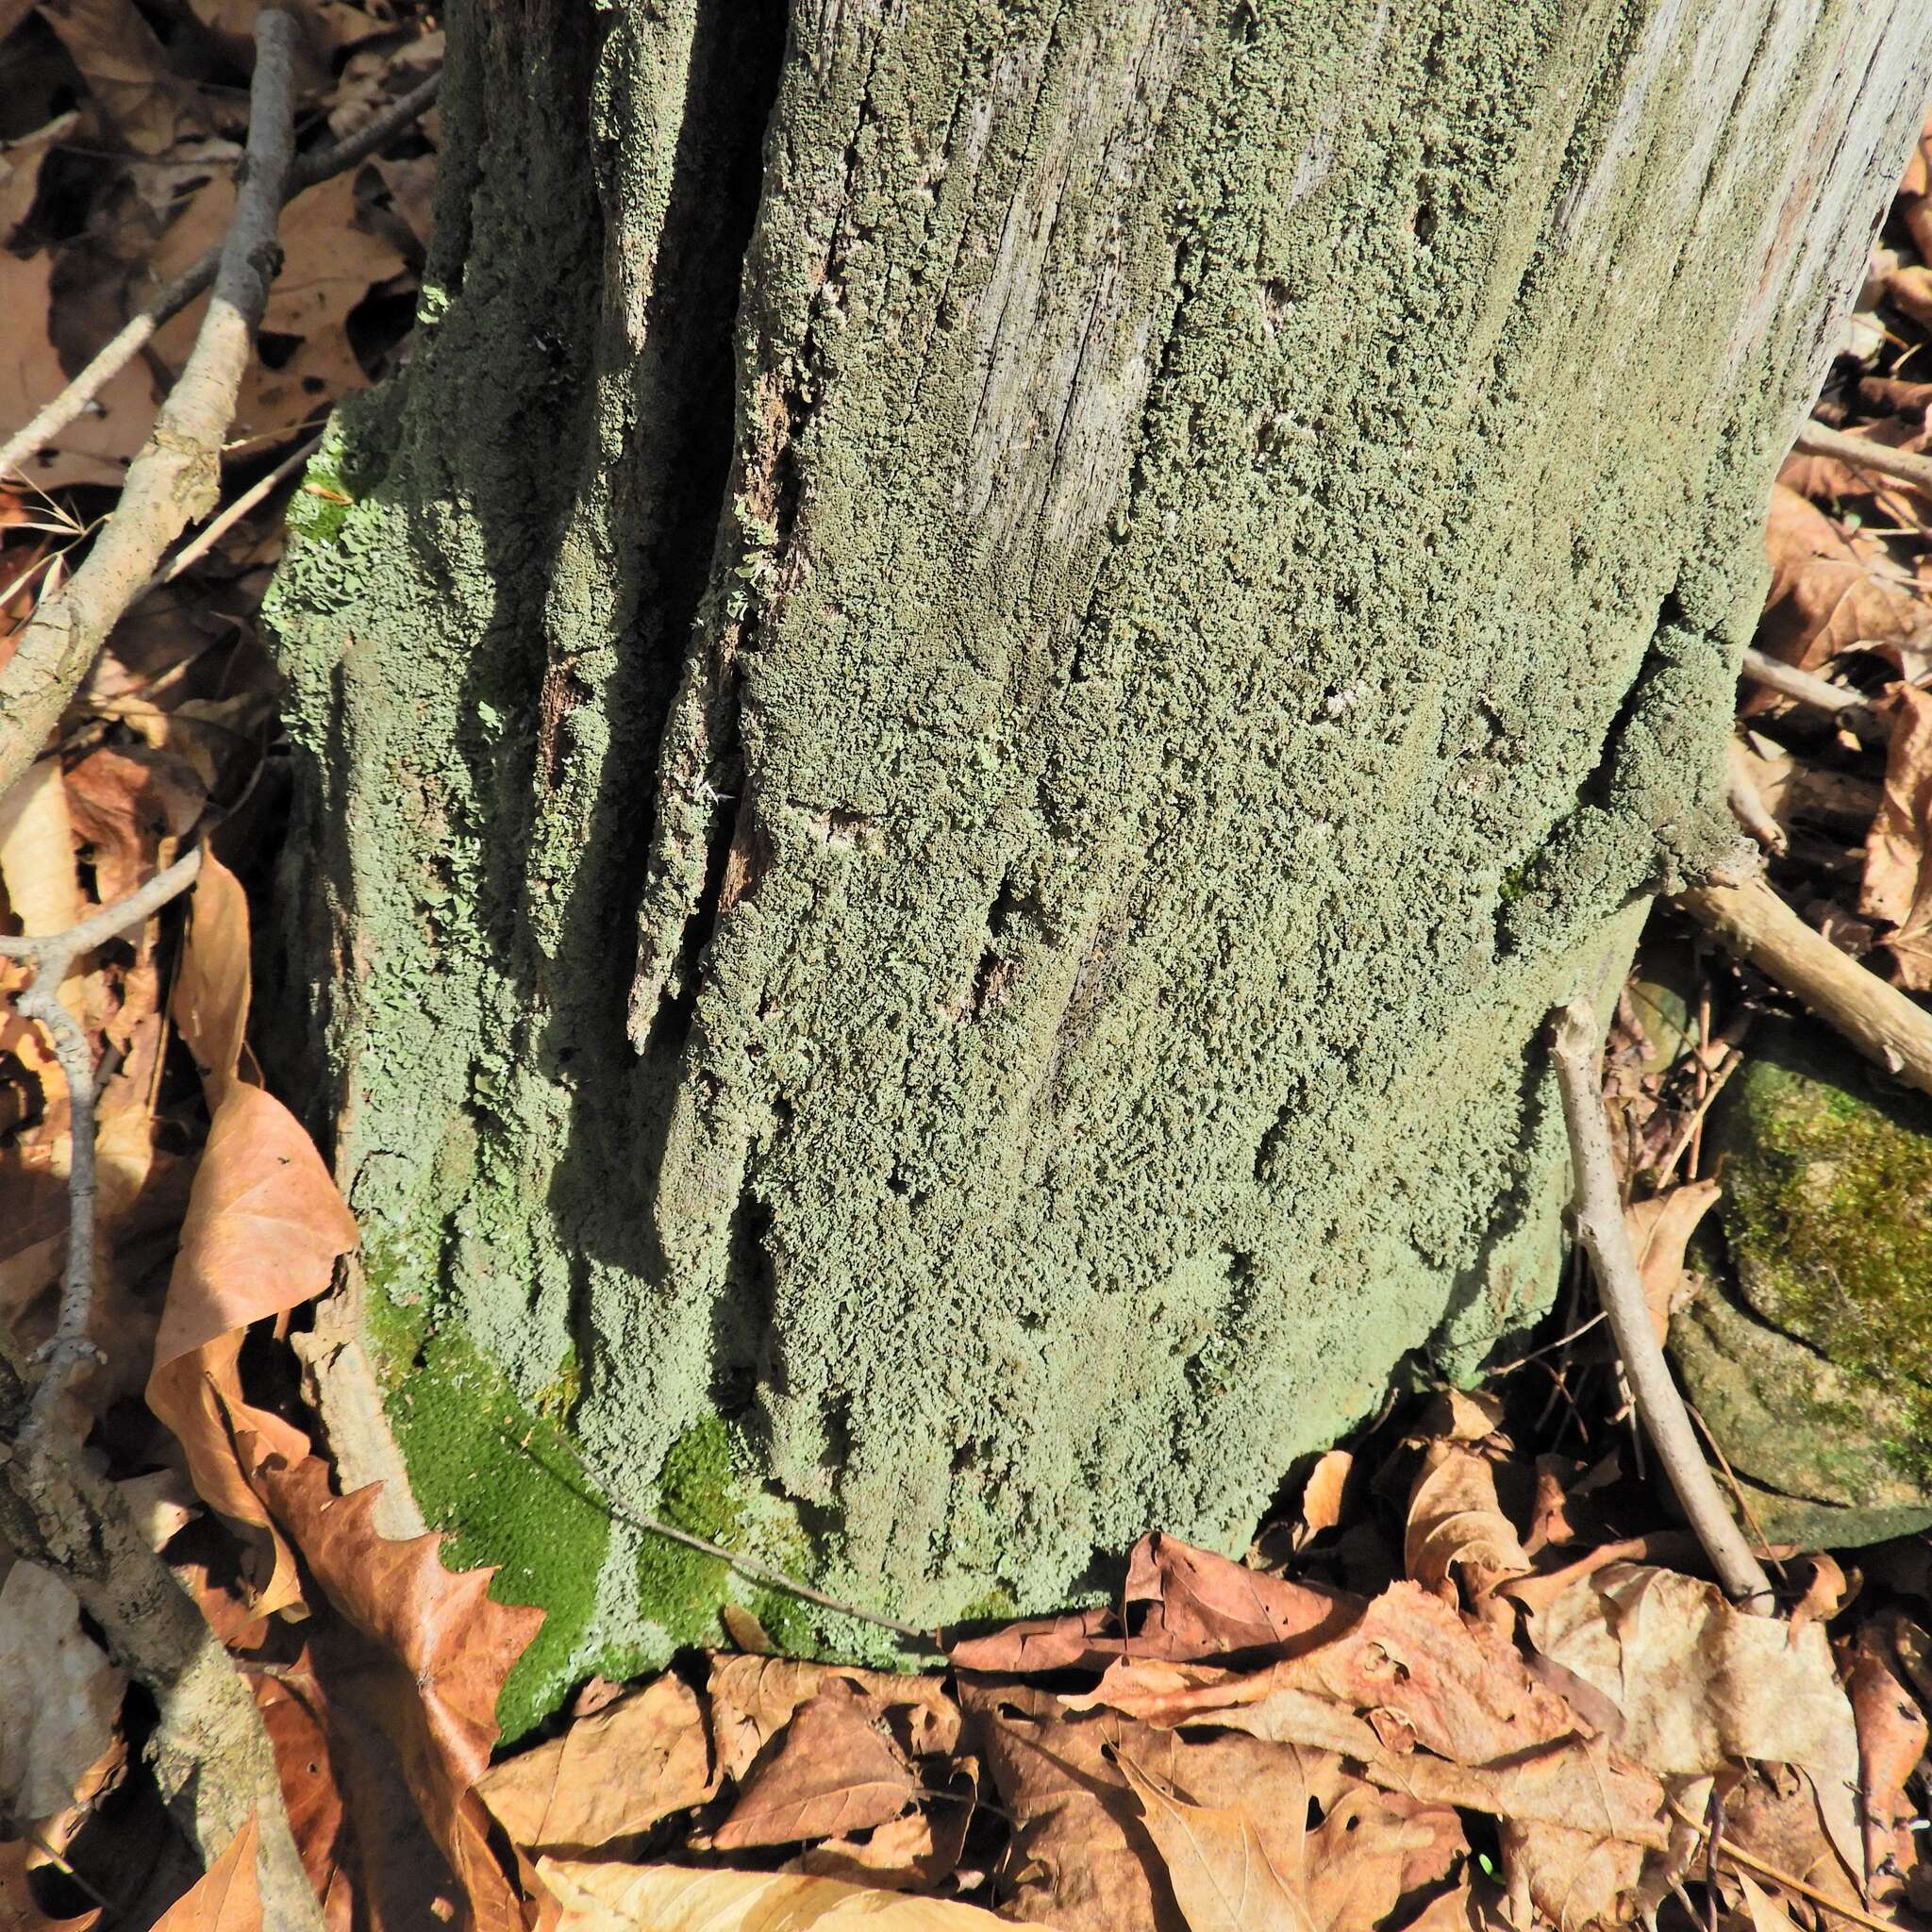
990	667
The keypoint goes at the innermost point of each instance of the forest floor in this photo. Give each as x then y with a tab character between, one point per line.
1473	1672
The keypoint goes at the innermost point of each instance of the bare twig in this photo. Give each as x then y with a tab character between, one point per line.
306	170
764	1573
1877	1019
1816	440
176	476
1846	707
211	1757
1747	808
1600	1230
1738	1855
52	955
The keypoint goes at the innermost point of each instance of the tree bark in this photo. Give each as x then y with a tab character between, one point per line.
990	667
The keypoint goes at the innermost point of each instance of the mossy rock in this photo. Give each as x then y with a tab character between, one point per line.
1817	1378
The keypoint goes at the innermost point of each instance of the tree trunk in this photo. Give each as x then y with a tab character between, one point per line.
989	669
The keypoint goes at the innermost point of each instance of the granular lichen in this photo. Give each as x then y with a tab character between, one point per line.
1198	674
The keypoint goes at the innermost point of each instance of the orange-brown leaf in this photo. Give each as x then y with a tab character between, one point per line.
227	1897
611	1775
1898	881
833	1772
1828	591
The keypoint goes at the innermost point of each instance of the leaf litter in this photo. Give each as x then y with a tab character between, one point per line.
1457	1685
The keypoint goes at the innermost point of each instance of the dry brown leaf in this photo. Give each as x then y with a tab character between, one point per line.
60	1695
1767	1915
1176	1697
1180	1602
1824	1594
673	1898
1660	1229
1898	882
126	70
1456	1525
1701	1686
210	1002
1223	1877
1828	592
752	1699
227	1897
1892	1736
96	447
1079	1857
332	257
833	1772
264	1229
1321	1506
916	1853
20	170
449	1647
611	1775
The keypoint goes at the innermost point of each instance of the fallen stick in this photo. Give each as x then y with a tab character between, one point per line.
51	954
1754	923
175	296
1846	707
1601	1232
176	476
1816	440
210	1753
1747	808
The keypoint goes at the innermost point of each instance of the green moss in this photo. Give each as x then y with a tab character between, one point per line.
508	1488
1828	1214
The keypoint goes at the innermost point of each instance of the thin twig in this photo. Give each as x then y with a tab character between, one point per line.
1877	1019
1747	806
764	1573
1738	1855
176	477
210	1753
1845	707
52	955
1601	1231
1815	439
306	170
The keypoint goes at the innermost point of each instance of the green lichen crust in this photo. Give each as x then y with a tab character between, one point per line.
961	872
1817	1380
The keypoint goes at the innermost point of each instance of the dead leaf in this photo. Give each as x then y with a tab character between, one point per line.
96	447
752	1699
1825	1594
834	1771
1828	591
1660	1229
126	71
1456	1525
60	1695
1174	1696
1322	1496
611	1775
1223	1878
449	1646
1767	1915
209	1004
1892	1736
916	1853
1179	1603
1898	882
673	1898
227	1897
1079	1857
1700	1686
